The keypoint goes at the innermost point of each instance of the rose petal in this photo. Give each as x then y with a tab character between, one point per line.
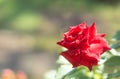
99	45
73	56
92	31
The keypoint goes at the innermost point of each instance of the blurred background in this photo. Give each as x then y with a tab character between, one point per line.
29	29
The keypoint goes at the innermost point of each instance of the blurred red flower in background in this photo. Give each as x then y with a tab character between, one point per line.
84	45
10	74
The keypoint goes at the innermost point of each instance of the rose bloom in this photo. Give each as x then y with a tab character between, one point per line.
84	45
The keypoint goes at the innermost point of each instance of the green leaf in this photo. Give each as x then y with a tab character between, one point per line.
77	73
115	46
113	61
112	64
114	75
117	35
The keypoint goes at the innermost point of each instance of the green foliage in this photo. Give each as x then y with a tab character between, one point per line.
26	22
115	75
77	73
112	64
113	61
116	39
117	35
116	45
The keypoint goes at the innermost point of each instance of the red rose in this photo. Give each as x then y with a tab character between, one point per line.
84	45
